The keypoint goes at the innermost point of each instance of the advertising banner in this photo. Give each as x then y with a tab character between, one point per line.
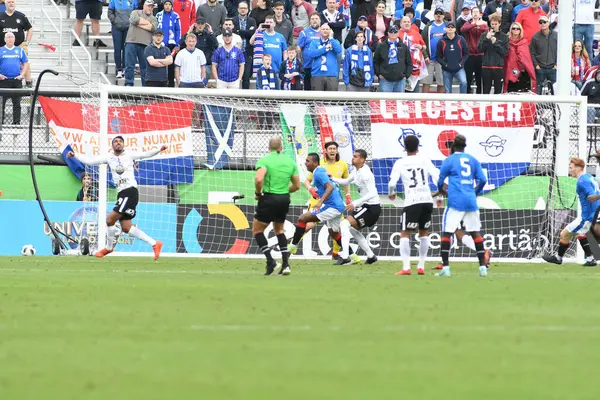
499	135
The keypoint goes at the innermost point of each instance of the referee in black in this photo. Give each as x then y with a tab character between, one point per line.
276	177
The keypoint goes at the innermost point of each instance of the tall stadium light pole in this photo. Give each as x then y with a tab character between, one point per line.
563	83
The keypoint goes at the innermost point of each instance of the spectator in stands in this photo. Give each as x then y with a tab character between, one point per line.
459	6
308	35
16	22
519	73
361	7
361	26
190	65
159	58
413	40
472	31
273	43
359	70
301	12
89	190
118	15
464	17
378	22
169	24
452	53
583	28
291	75
529	19
431	35
494	46
282	24
231	6
260	12
521	6
205	41
393	63
245	26
3	6
228	64
544	52
83	8
214	14
501	7
580	63
591	90
401	7
141	26
267	78
334	19
13	69
415	23
186	9
325	66
228	25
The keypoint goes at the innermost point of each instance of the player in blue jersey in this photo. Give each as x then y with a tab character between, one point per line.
328	209
589	199
463	171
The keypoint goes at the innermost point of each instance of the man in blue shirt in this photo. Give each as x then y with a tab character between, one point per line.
589	199
13	68
169	23
273	43
325	66
158	56
306	37
463	171
228	63
328	209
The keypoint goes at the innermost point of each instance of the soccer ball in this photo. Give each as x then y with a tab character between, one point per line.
28	250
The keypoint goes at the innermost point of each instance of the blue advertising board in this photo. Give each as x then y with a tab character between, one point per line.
23	223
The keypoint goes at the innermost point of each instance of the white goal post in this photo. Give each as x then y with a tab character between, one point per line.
523	141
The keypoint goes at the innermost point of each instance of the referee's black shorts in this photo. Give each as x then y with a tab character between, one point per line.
272	208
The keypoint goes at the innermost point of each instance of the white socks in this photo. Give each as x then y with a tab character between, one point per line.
138	233
345	231
405	253
362	242
423	249
467	240
110	237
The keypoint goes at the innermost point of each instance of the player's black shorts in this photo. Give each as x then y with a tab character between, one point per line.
596	219
417	216
127	201
272	208
83	8
367	215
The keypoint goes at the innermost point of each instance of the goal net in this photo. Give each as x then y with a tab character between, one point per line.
198	195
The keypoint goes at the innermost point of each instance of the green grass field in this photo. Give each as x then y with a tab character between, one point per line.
131	328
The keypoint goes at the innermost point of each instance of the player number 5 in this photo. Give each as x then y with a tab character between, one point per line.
466	167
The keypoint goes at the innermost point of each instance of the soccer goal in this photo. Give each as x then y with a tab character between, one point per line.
198	195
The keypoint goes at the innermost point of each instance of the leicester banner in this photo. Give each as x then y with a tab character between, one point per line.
298	134
75	127
219	126
499	135
335	123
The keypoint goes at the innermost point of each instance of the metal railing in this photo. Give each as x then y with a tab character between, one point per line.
72	56
58	29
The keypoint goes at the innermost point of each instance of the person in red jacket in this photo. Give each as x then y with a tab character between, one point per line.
529	19
186	10
519	74
472	32
379	23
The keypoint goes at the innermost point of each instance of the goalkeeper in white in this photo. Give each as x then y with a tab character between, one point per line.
365	210
121	164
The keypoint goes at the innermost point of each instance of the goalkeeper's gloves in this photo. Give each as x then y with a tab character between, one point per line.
348	199
313	193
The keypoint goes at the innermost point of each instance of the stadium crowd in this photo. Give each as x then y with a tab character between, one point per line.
407	45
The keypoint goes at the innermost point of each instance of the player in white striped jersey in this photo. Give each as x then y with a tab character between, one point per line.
365	210
414	170
121	164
